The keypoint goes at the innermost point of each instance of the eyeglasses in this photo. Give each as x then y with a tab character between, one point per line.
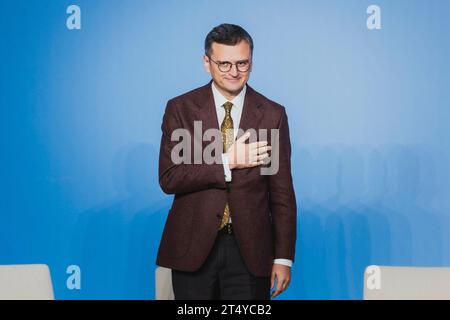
225	66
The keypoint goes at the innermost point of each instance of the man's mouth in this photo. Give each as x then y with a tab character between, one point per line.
233	79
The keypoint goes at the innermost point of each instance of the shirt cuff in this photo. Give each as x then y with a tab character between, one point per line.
285	262
226	167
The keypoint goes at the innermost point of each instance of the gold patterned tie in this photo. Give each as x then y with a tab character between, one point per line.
227	140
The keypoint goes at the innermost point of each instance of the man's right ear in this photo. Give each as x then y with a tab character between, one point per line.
206	63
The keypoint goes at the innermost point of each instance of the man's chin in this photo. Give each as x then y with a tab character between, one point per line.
235	88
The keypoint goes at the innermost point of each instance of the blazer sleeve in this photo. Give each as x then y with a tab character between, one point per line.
183	178
282	200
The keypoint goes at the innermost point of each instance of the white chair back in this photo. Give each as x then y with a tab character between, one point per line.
163	281
25	282
406	283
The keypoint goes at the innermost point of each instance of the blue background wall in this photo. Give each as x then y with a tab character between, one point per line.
80	131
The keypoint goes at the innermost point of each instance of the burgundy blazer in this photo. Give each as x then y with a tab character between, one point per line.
262	207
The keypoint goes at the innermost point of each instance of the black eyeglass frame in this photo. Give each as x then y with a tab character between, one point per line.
230	65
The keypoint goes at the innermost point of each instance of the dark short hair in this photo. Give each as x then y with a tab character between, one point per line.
228	34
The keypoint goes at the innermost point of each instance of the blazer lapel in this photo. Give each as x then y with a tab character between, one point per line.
206	108
251	112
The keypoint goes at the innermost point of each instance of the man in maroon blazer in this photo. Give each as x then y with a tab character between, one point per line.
231	230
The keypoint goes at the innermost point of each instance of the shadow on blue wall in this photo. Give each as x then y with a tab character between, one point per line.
357	207
124	231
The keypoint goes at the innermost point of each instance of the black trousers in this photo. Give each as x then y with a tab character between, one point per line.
223	276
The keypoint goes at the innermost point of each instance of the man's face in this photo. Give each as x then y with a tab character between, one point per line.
229	83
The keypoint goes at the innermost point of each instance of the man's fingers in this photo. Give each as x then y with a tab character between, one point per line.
257	159
244	137
273	280
257	152
263	149
262	156
254	164
282	285
250	155
275	293
257	144
278	290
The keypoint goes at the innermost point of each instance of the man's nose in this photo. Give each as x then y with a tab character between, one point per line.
234	71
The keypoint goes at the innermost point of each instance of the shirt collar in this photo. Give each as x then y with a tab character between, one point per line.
219	99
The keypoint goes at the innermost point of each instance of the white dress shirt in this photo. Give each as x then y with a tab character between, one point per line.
236	112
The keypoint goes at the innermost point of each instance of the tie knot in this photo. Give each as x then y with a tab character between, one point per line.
227	105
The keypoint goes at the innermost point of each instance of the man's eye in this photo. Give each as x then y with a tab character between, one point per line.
242	63
224	64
